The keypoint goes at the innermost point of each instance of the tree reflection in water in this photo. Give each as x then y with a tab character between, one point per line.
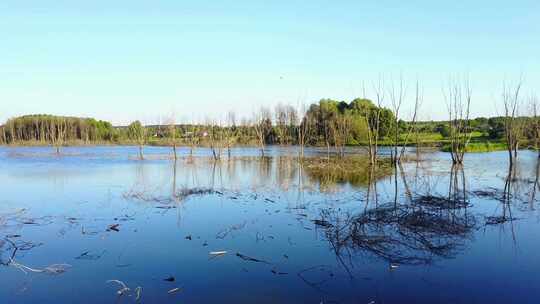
414	232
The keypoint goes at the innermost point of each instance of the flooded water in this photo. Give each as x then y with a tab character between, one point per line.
95	225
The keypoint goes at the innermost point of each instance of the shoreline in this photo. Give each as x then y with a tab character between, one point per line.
473	147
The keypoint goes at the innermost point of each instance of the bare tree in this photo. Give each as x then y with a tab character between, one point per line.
512	130
172	134
341	129
329	127
535	122
292	123
193	137
4	136
57	132
280	118
261	124
458	102
230	132
397	96
215	136
373	121
412	124
304	129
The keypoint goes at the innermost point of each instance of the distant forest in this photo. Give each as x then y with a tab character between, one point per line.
328	123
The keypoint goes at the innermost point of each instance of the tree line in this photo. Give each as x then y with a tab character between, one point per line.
55	130
327	123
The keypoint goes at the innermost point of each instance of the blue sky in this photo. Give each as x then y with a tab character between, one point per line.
127	60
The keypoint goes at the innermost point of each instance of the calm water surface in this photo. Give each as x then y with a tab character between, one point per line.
423	234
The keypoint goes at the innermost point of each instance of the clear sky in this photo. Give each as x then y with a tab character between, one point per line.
125	60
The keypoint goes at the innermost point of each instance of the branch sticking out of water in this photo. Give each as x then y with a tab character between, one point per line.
250	259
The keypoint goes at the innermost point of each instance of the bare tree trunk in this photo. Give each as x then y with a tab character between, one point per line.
303	130
458	100
511	101
261	124
396	96
373	123
412	124
141	156
171	133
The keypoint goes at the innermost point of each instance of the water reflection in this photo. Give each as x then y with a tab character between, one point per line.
301	229
250	174
416	228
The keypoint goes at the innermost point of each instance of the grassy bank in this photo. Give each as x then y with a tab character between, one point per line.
479	147
478	143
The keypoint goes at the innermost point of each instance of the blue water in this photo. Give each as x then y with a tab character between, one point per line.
59	210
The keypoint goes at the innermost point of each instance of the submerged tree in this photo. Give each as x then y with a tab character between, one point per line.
397	96
535	123
193	137
411	126
372	117
458	102
304	130
215	136
172	134
58	133
137	133
280	116
262	124
512	127
230	132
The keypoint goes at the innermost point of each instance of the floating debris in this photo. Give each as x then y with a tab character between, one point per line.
322	223
174	290
123	287
441	202
114	227
88	256
223	233
169	279
493	193
88	232
24	245
497	220
138	293
54	269
125	290
278	272
123	265
316	271
248	258
167	200
166	207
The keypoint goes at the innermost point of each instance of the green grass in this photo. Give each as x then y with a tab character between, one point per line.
355	170
480	147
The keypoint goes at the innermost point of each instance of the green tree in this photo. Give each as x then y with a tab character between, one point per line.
137	133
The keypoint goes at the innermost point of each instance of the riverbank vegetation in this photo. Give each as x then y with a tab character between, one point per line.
327	123
320	127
